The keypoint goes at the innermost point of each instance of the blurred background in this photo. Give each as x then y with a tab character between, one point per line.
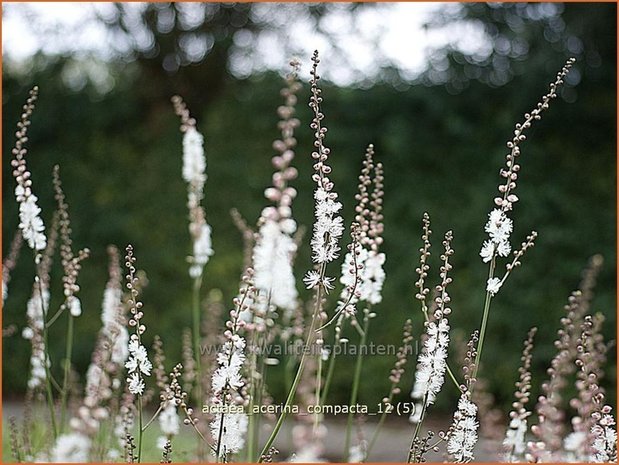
437	88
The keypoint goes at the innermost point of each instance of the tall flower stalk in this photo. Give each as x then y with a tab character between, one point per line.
515	436
71	265
327	230
228	429
138	365
432	361
194	174
33	231
499	226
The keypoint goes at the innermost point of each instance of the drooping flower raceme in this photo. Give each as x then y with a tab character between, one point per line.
463	436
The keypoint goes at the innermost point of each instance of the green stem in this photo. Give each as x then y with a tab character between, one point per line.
140	429
382	419
356	380
297	378
318	383
197	332
48	375
252	394
484	322
67	371
330	371
48	384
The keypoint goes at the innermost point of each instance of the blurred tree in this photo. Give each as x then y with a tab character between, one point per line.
187	48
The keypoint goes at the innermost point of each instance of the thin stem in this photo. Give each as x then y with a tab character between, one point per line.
67	370
356	380
297	378
155	415
197	331
252	418
484	321
318	383
331	368
140	429
219	436
382	419
48	375
55	317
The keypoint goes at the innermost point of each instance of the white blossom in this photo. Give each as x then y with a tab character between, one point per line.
137	365
514	441
136	385
169	421
194	161
30	223
432	362
75	306
36	309
493	285
328	227
463	436
311	279
234	429
227	378
272	263
605	440
371	276
499	227
202	251
73	447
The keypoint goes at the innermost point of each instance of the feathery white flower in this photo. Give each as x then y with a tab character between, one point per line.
234	430
463	436
493	285
136	385
227	379
194	161
169	421
605	443
328	227
30	223
35	308
499	227
311	279
112	328
432	362
514	440
272	263
73	447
